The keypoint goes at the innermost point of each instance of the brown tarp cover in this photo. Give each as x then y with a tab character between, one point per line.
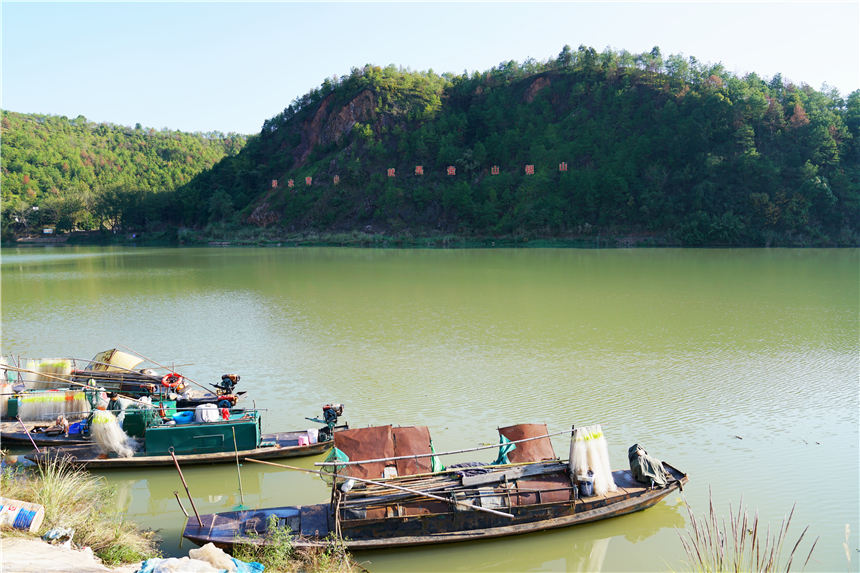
366	444
411	441
385	442
531	451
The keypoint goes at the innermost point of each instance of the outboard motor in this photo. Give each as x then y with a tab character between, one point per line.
224	390
330	415
228	383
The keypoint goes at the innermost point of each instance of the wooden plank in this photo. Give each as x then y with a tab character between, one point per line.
514	473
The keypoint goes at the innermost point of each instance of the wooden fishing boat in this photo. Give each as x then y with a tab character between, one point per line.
236	434
535	491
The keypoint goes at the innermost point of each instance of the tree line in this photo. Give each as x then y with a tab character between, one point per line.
658	146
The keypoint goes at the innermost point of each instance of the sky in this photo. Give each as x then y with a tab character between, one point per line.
229	66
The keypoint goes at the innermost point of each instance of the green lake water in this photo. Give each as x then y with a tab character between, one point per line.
739	367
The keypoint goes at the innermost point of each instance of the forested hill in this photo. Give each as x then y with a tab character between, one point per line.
651	146
582	144
82	174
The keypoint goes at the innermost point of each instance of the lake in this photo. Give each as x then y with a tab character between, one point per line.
739	367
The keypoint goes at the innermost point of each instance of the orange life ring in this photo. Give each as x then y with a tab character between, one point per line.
166	381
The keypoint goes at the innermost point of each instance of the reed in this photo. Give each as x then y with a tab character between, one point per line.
76	499
714	545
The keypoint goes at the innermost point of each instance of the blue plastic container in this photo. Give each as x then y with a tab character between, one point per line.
183	417
75	428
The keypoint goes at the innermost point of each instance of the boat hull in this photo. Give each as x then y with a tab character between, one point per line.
285	445
315	522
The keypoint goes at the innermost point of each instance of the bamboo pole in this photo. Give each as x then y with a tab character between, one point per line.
171	369
389	485
416	456
182	477
238	471
26	431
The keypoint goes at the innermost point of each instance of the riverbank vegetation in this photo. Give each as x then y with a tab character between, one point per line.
579	146
279	555
76	499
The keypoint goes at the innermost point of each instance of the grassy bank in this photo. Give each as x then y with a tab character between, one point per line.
78	500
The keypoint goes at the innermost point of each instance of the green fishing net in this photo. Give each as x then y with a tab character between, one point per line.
338	457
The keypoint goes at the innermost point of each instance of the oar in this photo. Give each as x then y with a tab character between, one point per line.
390	485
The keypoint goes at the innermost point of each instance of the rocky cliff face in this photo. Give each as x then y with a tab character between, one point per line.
536	86
329	126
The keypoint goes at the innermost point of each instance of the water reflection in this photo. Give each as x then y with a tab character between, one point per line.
578	548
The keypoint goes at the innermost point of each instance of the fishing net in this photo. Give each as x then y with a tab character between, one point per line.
109	436
340	468
47	405
591	452
5	393
44	374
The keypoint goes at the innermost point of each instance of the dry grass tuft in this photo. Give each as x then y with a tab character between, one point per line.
714	546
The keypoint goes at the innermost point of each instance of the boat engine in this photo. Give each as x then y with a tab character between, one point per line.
330	415
228	383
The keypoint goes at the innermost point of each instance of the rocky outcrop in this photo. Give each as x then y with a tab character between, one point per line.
536	86
329	126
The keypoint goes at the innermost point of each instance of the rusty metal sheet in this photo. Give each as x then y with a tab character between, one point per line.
366	444
542	489
531	451
410	441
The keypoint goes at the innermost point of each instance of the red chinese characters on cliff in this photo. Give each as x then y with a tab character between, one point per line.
494	170
562	166
452	170
336	179
391	172
419	170
308	180
290	183
530	169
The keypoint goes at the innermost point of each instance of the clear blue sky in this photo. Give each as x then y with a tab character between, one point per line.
202	66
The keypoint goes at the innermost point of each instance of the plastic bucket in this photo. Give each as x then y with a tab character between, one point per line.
303	441
586	485
183	417
313	435
21	515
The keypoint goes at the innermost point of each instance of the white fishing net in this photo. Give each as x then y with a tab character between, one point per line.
591	453
109	436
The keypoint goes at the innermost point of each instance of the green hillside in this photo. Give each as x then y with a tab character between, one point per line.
667	150
81	174
667	147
